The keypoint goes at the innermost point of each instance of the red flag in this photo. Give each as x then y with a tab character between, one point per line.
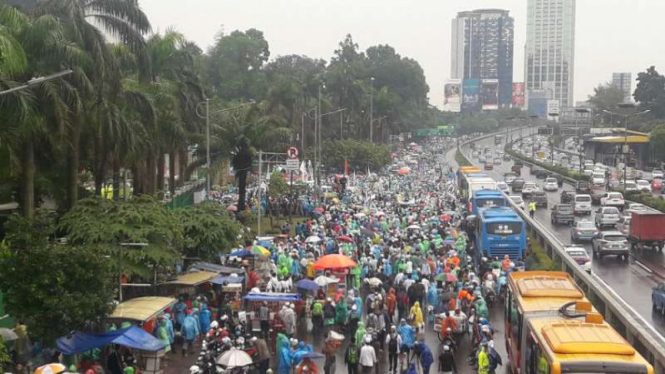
346	167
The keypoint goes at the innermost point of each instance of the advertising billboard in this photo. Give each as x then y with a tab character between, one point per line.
489	94
452	100
471	95
553	109
518	95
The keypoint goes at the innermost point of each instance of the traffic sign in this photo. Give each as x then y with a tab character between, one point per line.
292	164
292	153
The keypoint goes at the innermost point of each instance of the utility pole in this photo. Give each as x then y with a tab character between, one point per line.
302	135
258	207
317	135
371	112
207	147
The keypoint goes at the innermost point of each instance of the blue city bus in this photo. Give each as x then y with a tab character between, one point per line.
487	199
500	231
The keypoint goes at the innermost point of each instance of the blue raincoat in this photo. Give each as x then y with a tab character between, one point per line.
204	320
387	268
426	358
407	334
359	305
169	327
285	358
190	329
433	296
180	309
301	351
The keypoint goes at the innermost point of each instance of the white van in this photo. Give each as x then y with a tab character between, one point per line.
582	204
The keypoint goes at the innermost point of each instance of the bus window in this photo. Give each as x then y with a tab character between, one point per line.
536	361
514	322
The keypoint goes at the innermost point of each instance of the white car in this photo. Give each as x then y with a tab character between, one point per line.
503	186
643	185
551	184
517	199
598	178
631	186
588	172
612	199
635	207
529	188
657	174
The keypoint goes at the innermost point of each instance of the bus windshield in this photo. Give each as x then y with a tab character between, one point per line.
507	228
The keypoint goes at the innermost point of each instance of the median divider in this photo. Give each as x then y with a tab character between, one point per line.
638	332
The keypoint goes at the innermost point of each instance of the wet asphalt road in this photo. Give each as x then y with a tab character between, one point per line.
631	281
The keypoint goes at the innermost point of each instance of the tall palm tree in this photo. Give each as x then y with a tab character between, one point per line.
246	131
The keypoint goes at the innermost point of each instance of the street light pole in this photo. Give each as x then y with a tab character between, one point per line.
371	112
35	81
624	151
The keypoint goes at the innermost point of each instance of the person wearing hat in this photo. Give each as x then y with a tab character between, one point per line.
367	356
447	364
264	318
190	331
483	359
393	341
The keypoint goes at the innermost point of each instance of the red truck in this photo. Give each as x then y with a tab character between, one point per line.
647	230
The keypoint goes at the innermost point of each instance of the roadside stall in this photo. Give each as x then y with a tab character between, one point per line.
339	266
190	283
274	300
230	286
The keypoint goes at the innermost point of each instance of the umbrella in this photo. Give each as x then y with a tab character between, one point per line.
414	227
375	282
242	253
306	284
379	214
446	277
334	261
345	239
312	355
7	334
260	250
50	369
404	171
323	281
264	243
360	215
232	208
313	239
235	358
319	210
446	217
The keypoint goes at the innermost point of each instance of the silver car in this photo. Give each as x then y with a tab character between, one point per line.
607	216
611	243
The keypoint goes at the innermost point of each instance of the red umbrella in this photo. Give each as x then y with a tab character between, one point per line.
345	239
319	210
334	261
404	170
232	208
446	217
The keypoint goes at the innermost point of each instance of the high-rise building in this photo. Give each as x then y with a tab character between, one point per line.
624	82
550	50
482	50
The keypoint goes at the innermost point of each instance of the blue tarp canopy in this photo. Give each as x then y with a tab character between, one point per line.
132	337
242	253
271	296
228	280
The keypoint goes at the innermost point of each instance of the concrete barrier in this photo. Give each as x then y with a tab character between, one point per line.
638	332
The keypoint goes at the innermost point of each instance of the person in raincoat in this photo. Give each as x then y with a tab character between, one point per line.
341	313
190	331
204	320
426	357
412	369
355	273
180	310
433	297
391	303
416	316
481	308
360	332
408	335
483	359
285	358
163	335
387	268
169	328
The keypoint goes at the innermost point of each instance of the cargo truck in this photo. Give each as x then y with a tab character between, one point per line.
647	230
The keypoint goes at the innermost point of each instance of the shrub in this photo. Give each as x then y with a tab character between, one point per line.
538	259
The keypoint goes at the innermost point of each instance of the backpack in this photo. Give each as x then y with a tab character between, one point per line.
317	309
352	356
392	345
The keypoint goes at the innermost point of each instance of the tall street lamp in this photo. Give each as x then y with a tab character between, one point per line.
206	116
625	116
371	112
36	81
341	117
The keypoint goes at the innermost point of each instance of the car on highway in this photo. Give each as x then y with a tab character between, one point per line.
558	177
657	174
582	204
630	186
607	216
598	178
562	214
529	188
578	253
475	154
482	159
551	184
624	226
540	198
539	173
517	185
658	297
503	186
614	183
587	172
506	157
610	243
635	207
509	177
656	184
488	166
614	199
583	187
516	168
643	185
567	197
583	230
518	200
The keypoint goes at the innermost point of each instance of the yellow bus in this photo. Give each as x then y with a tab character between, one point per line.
551	328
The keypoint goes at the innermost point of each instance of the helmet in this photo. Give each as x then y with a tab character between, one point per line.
194	369
214	324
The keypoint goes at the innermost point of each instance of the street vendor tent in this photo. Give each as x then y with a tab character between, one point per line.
214	268
194	278
132	337
229	279
142	308
271	296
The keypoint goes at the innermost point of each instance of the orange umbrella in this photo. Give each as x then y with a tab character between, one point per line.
334	261
404	170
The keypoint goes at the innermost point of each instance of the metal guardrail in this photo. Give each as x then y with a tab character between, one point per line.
638	332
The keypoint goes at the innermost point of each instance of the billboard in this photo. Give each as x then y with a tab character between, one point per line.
553	108
518	95
471	95
452	101
489	94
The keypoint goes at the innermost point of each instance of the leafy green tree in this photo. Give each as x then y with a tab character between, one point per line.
657	142
105	224
76	290
606	97
650	92
234	65
208	229
278	186
360	154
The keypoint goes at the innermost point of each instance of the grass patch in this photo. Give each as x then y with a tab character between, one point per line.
538	258
461	159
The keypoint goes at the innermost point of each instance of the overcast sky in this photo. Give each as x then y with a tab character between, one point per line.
611	36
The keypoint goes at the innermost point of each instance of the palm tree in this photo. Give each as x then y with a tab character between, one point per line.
246	131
